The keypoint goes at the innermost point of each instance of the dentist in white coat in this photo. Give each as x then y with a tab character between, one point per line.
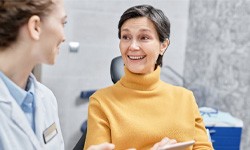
30	34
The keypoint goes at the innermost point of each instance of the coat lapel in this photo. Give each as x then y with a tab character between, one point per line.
40	119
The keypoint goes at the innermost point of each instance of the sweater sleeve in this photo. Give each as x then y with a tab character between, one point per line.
98	130
201	137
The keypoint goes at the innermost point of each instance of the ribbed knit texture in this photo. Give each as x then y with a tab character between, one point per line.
139	110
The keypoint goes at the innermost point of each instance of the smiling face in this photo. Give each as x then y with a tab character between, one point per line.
140	45
52	34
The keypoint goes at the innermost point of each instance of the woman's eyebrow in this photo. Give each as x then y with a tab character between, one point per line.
125	29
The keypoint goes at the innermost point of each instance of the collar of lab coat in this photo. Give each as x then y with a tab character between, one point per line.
18	116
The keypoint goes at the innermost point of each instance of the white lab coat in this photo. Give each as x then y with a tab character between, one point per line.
15	130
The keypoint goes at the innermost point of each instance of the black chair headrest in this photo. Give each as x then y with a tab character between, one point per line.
116	69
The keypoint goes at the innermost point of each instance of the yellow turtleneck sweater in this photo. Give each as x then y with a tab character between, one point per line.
139	110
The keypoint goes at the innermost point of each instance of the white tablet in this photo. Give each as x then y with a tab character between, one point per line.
178	146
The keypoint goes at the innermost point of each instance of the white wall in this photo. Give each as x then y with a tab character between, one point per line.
93	23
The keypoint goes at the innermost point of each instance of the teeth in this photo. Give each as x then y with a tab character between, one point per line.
136	57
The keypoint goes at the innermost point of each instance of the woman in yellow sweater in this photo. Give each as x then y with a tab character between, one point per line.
140	110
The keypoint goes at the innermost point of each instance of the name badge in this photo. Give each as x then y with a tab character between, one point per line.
49	133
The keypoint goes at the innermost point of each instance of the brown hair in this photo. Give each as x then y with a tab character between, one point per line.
161	22
15	13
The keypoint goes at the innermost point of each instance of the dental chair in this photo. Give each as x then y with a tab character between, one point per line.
116	72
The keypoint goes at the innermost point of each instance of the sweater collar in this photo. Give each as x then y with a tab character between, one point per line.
144	82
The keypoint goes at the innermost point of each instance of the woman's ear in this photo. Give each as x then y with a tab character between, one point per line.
164	46
34	27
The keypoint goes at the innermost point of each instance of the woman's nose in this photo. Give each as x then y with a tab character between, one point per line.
134	45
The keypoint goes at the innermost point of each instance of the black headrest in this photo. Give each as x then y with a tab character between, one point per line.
116	69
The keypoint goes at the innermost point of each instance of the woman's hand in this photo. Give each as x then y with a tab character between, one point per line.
103	146
163	142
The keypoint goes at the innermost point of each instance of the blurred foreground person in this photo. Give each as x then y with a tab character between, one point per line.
30	34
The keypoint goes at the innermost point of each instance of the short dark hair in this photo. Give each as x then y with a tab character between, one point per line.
160	21
15	13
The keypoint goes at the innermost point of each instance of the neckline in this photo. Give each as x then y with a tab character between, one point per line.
142	82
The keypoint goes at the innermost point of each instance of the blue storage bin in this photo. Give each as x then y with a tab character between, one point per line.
225	130
225	138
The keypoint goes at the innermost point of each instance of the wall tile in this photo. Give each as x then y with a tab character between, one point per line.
218	57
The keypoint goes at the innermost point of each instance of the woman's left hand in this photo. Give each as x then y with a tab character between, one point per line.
163	142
